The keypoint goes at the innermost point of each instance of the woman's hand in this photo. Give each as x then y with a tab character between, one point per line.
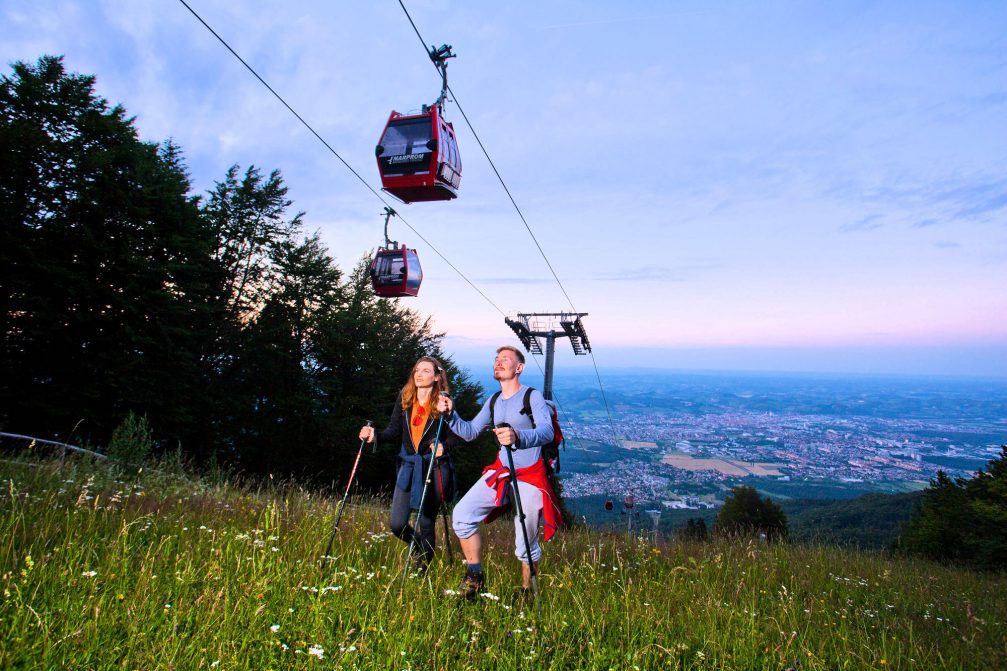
440	450
367	433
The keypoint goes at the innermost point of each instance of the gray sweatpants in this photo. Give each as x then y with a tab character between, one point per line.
481	499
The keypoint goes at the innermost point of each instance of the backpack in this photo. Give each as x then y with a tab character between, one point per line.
550	451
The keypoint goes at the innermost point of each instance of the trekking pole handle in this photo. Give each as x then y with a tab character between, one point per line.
374	444
505	425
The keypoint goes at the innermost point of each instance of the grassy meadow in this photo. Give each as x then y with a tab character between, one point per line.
102	568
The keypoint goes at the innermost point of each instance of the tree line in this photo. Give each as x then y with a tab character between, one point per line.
955	520
217	318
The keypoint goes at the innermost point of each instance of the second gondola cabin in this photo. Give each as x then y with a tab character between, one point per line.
418	157
396	272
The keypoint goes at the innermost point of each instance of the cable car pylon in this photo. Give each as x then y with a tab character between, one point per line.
531	326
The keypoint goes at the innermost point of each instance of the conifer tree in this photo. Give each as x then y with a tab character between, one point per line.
963	520
746	513
102	264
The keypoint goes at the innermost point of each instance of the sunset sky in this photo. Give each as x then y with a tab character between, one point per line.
783	186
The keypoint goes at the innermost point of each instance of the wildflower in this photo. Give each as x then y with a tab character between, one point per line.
317	651
275	628
167	606
89	574
490	595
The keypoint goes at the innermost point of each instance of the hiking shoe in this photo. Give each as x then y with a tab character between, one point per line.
472	585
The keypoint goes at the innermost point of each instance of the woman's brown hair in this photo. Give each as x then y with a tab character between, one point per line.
440	386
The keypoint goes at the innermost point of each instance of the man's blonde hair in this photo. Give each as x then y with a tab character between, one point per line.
518	353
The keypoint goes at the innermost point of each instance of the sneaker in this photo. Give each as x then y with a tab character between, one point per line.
472	585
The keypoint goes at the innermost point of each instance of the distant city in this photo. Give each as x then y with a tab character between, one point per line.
681	441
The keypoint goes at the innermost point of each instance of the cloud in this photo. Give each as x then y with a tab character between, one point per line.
939	202
643	274
868	223
514	280
947	244
982	202
993	99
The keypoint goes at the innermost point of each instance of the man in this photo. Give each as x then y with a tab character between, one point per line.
491	493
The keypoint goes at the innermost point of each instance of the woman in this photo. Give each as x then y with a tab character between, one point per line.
414	423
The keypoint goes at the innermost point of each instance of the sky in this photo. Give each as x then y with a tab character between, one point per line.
777	186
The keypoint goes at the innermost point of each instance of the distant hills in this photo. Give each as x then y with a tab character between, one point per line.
870	521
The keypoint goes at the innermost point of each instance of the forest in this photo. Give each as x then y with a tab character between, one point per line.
217	318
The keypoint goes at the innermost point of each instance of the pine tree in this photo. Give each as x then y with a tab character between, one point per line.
963	520
102	256
746	513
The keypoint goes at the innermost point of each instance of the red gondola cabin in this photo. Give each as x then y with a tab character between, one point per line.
396	272
418	157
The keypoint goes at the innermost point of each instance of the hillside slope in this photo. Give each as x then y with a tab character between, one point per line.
156	571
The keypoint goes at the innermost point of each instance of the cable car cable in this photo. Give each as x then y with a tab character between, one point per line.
520	214
336	154
378	195
280	98
490	160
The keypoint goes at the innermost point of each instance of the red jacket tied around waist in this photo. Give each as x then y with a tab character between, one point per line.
534	475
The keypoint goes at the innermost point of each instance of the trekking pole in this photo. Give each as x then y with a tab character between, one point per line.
520	512
444	516
342	504
423	498
447	537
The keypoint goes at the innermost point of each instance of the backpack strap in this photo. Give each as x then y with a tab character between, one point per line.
493	402
526	410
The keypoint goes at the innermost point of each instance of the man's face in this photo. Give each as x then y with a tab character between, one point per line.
506	366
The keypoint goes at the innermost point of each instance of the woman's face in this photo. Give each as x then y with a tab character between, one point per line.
424	375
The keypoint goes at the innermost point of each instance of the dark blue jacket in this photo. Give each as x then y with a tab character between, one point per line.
412	464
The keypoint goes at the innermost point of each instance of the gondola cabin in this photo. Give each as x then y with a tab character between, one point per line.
396	272
418	157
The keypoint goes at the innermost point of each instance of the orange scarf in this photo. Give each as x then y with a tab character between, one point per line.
418	424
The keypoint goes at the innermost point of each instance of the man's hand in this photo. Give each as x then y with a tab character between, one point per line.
506	435
445	404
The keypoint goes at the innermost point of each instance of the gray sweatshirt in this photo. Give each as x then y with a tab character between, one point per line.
508	410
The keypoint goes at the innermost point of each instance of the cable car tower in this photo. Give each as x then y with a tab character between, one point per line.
531	326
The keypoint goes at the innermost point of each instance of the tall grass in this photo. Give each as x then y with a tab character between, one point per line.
168	571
